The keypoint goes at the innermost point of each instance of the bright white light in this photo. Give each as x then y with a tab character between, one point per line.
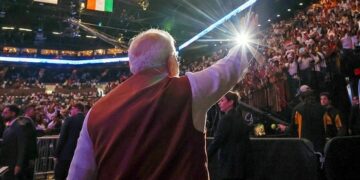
243	39
25	29
217	23
56	33
289	10
92	37
259	25
301	4
269	20
7	28
82	5
278	15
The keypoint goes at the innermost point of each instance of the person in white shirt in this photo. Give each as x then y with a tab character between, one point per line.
304	60
206	86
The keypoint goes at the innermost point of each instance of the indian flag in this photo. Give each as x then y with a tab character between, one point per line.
100	5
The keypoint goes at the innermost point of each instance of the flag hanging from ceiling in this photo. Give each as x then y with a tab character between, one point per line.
100	5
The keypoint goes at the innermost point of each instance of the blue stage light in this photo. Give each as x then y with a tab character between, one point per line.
216	24
63	61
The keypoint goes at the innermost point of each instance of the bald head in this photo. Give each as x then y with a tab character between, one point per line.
151	49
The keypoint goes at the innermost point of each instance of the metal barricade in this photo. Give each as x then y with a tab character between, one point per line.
45	164
3	170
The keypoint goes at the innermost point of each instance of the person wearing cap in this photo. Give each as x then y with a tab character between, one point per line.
307	119
333	122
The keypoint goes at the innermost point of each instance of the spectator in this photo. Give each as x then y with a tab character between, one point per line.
307	119
15	152
231	140
354	120
334	125
67	141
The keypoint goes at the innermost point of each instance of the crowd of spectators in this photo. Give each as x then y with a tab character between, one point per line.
71	78
319	47
50	109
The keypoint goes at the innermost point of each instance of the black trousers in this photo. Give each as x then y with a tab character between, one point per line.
26	173
62	169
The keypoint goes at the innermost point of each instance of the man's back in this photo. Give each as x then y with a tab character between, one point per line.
158	130
143	139
310	125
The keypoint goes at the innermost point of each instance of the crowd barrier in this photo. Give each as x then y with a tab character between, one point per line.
45	164
278	158
75	90
342	158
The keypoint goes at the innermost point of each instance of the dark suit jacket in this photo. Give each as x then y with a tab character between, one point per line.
312	125
2	127
232	139
31	137
13	150
69	135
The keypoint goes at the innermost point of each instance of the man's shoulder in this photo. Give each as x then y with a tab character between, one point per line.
299	106
80	116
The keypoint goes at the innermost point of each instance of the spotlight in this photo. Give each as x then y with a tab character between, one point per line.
300	4
289	10
243	39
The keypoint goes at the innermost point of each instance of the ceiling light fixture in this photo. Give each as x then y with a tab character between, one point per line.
7	28
92	37
25	29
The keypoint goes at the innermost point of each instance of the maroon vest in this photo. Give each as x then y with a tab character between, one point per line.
143	129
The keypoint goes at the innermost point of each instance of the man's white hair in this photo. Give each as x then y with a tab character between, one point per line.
150	49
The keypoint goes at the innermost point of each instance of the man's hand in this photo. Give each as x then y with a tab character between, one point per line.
17	170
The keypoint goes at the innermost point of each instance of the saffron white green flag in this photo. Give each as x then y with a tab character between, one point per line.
100	5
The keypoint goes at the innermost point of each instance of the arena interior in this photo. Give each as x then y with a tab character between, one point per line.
57	54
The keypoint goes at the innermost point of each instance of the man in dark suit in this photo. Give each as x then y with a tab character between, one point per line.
14	152
2	126
232	139
308	119
68	139
30	130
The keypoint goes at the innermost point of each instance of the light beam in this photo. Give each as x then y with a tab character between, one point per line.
216	24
